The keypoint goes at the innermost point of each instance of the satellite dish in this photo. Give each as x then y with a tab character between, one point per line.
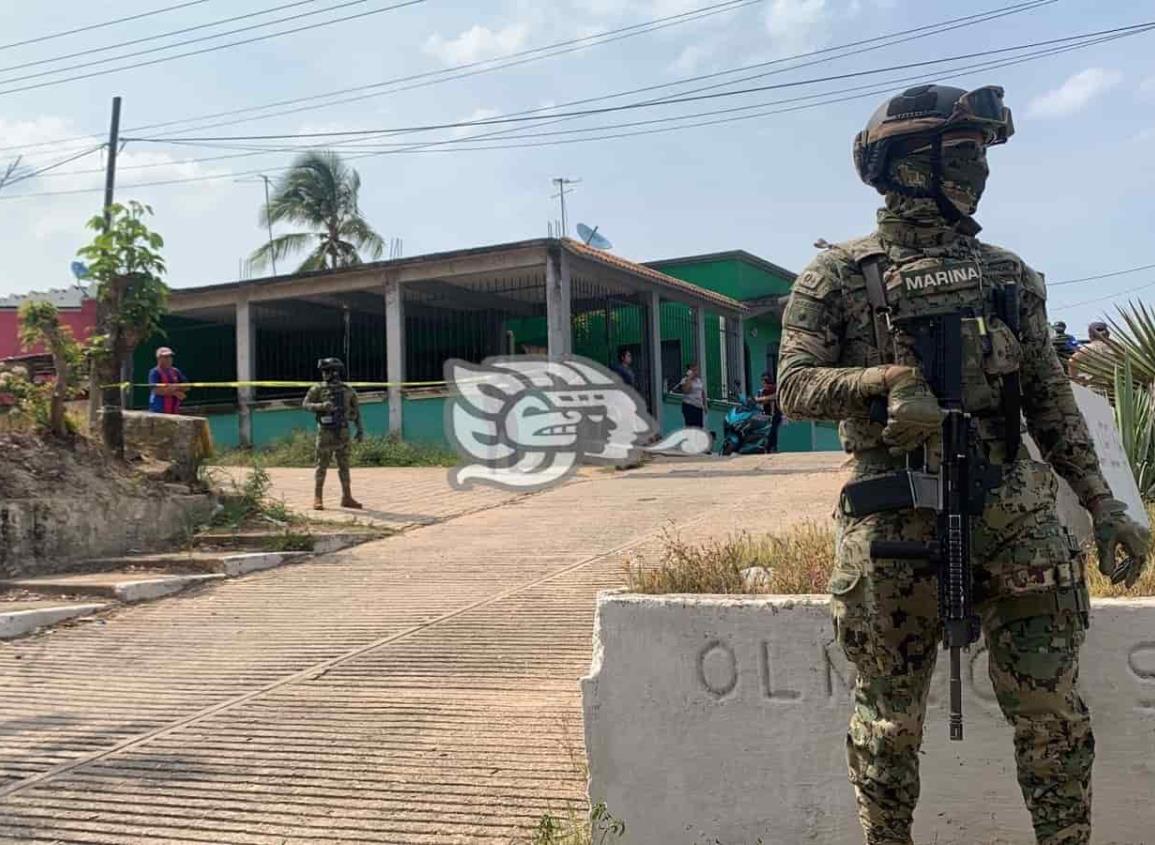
590	237
79	270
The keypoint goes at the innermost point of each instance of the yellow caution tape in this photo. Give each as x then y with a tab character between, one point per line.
236	384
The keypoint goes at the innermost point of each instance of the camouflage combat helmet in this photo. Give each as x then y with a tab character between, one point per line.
920	115
328	364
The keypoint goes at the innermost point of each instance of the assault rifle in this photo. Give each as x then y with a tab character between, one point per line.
334	419
957	493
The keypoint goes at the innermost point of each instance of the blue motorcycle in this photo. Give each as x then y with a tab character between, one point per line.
746	429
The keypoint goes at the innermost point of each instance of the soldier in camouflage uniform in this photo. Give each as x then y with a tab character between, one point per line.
844	348
336	407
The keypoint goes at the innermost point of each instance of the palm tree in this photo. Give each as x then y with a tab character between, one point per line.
319	192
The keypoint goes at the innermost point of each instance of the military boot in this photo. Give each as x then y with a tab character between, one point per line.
318	499
347	500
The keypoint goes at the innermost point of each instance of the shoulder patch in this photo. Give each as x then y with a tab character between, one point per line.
1034	282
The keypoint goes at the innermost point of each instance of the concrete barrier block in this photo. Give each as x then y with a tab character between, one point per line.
722	720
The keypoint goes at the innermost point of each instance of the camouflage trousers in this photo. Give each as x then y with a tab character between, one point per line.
1032	600
332	443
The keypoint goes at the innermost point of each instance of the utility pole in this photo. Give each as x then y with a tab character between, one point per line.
268	220
110	171
562	189
112	396
269	223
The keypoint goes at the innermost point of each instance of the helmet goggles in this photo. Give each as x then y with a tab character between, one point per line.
984	108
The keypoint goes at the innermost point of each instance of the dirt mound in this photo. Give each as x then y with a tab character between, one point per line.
32	468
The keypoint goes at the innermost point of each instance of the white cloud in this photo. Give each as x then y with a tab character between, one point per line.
797	26
1075	94
66	214
692	57
478	43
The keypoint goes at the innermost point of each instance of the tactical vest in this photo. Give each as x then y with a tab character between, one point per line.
897	285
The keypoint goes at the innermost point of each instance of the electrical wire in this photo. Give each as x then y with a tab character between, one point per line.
855	96
41	38
213	48
47	168
1100	276
594	40
517	59
1105	297
169	34
888	39
1134	29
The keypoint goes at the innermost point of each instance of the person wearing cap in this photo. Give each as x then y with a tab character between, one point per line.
167	383
855	336
1097	349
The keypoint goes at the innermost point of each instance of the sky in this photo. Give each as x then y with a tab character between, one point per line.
1071	192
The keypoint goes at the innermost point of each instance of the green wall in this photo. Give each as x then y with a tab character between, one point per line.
740	278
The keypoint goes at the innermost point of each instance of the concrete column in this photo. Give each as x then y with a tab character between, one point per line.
245	371
654	315
395	352
700	353
557	305
738	365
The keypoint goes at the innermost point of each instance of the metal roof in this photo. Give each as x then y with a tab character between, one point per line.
649	273
576	248
72	297
728	255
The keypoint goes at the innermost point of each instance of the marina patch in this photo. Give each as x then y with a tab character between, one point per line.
949	274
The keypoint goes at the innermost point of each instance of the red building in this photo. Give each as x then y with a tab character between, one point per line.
77	311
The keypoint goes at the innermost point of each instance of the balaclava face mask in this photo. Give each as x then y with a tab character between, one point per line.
964	178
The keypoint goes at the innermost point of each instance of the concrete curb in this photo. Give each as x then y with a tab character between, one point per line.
721	718
131	592
16	623
236	565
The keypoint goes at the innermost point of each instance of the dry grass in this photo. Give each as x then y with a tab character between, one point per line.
799	560
1100	585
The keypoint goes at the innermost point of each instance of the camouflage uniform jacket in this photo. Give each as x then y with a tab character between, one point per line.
829	339
324	394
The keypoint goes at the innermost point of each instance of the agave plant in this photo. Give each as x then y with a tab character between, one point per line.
1135	419
1132	341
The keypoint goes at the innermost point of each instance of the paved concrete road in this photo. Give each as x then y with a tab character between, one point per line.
419	689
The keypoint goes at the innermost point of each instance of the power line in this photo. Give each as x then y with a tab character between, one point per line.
47	168
1107	296
525	57
582	43
492	121
921	32
156	37
1100	276
101	25
214	48
422	147
587	41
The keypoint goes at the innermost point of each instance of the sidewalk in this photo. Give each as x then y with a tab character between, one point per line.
419	689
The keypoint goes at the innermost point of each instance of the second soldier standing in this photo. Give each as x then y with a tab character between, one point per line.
336	407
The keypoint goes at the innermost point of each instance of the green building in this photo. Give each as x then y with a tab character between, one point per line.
398	321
